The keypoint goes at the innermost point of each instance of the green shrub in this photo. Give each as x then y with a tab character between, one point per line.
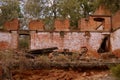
116	71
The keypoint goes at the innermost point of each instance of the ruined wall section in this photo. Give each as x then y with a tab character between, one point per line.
115	40
91	25
14	40
63	38
11	25
5	40
9	35
8	40
116	20
71	40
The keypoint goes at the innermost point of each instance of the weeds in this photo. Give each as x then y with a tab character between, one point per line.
6	58
116	71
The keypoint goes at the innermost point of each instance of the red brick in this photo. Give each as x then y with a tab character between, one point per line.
4	45
117	53
61	25
91	25
36	25
8	40
12	25
102	11
71	40
116	20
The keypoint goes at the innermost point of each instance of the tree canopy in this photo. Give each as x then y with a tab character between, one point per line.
48	10
112	5
9	10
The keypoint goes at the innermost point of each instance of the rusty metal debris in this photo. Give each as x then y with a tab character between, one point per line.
43	51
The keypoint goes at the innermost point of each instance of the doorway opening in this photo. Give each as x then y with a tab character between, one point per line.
24	41
105	45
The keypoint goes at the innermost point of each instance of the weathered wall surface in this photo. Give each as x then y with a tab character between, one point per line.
92	25
62	25
8	40
71	40
11	25
116	20
102	11
14	40
115	40
36	25
9	37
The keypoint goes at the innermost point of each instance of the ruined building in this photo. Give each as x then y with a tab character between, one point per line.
99	33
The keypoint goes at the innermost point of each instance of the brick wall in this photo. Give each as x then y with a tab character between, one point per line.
11	25
102	11
5	40
36	25
61	25
91	25
115	42
116	20
71	40
8	40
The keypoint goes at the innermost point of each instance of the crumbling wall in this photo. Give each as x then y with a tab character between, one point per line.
115	40
62	25
5	40
70	40
11	25
9	35
14	39
116	20
90	24
36	25
8	40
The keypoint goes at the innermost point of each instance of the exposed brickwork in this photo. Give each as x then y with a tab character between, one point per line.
36	25
115	40
91	25
117	52
116	20
71	40
102	11
4	45
61	25
8	41
5	40
12	25
107	24
67	39
14	40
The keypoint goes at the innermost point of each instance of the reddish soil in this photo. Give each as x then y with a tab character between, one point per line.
56	74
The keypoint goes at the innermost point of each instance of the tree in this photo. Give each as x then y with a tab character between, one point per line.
112	5
70	9
88	7
75	9
10	9
35	8
49	10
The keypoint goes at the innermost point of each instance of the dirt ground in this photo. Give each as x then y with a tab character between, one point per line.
47	68
57	74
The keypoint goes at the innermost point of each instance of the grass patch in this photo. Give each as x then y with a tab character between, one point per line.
116	71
